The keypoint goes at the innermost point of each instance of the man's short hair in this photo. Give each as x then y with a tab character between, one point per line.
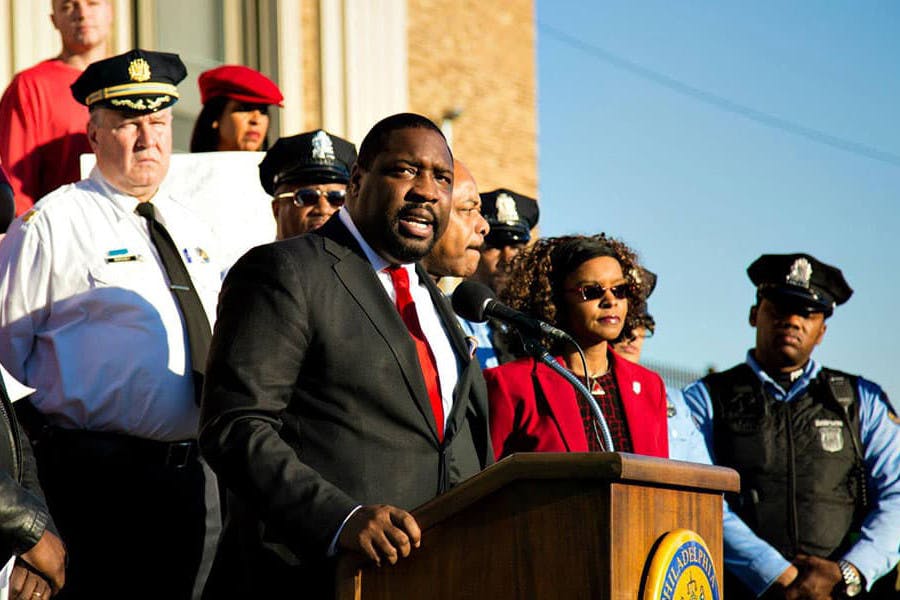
376	140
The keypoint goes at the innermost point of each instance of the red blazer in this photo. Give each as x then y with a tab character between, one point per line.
522	423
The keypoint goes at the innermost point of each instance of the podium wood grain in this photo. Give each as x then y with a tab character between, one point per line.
547	526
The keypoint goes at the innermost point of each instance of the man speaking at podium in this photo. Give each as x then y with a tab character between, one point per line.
339	391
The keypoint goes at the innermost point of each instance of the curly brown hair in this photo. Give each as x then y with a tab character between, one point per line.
535	282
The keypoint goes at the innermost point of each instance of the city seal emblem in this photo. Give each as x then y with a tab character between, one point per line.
681	568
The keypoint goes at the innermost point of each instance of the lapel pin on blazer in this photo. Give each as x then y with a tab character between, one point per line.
636	387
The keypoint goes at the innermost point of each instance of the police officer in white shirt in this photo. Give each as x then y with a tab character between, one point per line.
108	290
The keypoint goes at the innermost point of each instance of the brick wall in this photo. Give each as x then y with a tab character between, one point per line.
480	57
312	76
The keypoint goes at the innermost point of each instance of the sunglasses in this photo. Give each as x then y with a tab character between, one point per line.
596	291
310	197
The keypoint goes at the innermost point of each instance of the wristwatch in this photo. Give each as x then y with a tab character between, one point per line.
852	581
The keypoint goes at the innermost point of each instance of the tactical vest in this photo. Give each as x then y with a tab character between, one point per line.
802	476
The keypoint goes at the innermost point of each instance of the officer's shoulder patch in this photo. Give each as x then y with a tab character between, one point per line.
892	415
30	215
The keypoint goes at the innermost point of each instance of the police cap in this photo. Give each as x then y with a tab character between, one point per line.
799	282
311	157
510	215
139	81
647	280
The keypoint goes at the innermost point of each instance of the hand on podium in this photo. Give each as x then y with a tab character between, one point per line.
381	532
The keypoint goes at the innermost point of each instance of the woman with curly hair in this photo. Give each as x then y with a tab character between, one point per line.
590	287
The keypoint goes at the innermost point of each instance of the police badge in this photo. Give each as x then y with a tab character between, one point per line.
139	70
801	272
831	434
506	209
322	148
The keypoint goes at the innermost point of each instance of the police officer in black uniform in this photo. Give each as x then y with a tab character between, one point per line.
307	176
818	450
511	217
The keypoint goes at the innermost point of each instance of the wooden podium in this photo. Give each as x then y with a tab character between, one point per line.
548	526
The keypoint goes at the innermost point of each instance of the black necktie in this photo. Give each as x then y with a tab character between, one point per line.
180	283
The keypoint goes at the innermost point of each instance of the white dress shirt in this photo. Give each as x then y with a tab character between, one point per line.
438	338
87	317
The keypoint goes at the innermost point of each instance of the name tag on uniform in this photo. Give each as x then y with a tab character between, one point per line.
122	255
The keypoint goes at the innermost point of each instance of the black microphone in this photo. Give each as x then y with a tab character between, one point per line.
474	301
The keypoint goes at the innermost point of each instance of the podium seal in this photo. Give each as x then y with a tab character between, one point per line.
681	569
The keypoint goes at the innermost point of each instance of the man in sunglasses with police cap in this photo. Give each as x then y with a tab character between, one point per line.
818	450
307	177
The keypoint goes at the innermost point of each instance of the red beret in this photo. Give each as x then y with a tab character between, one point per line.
240	83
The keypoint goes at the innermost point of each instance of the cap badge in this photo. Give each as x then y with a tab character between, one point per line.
322	148
801	271
506	209
139	70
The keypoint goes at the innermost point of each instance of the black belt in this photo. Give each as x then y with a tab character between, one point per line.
100	444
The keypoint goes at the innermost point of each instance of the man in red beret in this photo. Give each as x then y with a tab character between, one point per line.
235	115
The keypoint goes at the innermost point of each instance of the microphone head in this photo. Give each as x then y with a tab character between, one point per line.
469	299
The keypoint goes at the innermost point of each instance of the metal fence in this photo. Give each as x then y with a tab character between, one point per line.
674	376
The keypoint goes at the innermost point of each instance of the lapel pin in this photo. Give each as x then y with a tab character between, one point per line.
636	387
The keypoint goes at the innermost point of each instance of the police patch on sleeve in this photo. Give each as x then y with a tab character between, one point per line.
892	415
681	568
29	215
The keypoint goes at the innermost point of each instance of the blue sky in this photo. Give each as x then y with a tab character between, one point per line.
707	133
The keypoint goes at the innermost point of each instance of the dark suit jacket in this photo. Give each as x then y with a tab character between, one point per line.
523	420
314	402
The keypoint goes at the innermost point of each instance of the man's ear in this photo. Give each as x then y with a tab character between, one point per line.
355	177
821	333
92	135
753	310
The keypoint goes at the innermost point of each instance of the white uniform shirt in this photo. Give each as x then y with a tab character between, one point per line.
87	317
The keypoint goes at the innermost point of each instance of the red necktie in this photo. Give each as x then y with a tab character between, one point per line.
407	309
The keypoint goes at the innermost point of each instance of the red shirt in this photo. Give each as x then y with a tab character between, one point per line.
43	131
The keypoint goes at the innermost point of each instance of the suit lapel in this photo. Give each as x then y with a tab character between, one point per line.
564	408
357	275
